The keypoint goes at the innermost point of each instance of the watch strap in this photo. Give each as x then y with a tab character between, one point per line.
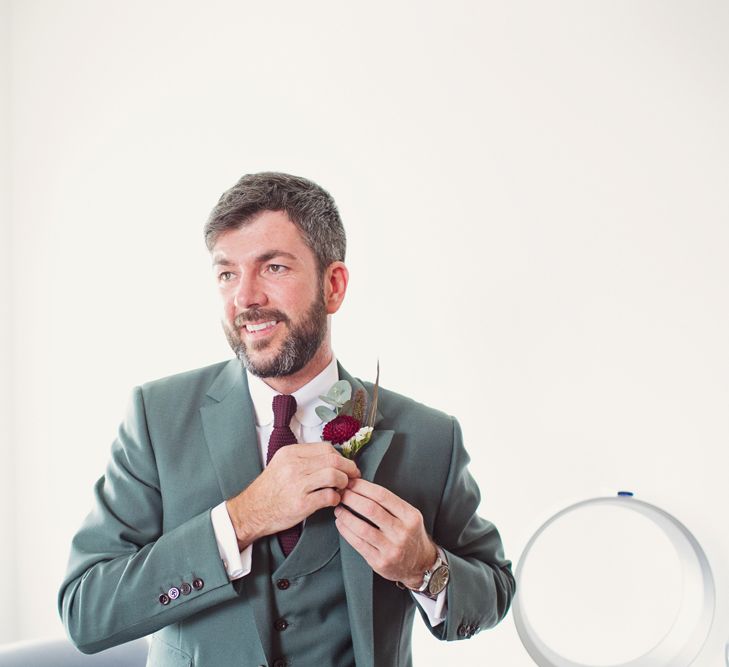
440	560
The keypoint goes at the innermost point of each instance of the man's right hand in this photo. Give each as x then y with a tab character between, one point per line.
299	480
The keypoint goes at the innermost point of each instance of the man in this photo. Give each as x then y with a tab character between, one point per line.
228	528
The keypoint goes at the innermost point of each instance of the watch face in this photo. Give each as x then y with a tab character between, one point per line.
438	580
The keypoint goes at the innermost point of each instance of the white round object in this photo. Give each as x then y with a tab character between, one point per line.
595	553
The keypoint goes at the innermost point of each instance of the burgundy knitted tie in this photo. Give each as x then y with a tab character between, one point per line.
284	407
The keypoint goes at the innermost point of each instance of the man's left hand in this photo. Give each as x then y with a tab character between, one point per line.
400	550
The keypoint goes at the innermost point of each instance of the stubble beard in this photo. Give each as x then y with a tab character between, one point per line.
298	348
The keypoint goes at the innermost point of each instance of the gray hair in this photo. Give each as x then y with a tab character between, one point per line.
309	206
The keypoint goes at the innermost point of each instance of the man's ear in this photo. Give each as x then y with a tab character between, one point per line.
336	278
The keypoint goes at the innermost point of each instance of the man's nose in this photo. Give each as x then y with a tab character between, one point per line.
249	293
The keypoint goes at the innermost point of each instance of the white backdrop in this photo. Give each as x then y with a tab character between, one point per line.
7	501
535	196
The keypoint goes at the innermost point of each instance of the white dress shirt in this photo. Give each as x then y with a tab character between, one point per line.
307	427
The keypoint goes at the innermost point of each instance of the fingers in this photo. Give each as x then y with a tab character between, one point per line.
367	551
371	510
314	448
335	460
318	455
380	495
326	497
326	477
313	474
363	537
396	550
391	513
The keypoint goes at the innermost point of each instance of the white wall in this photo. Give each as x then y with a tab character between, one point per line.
535	200
8	627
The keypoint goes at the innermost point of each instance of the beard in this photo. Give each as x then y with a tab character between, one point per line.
298	347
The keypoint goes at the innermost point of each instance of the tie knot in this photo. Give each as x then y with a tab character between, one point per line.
284	407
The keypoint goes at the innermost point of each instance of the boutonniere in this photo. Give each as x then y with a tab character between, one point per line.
347	426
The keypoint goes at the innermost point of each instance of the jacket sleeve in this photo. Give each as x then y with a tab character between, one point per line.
481	585
122	564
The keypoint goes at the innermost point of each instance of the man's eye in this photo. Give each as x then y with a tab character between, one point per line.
276	268
225	275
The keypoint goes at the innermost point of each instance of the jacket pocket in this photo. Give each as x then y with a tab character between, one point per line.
162	654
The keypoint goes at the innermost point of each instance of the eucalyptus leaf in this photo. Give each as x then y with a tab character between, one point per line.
341	391
331	401
324	413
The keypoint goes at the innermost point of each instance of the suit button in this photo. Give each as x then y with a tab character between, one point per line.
163	599
281	624
197	584
462	630
283	584
279	662
174	593
185	588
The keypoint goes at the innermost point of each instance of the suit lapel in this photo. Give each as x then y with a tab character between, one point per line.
356	573
230	430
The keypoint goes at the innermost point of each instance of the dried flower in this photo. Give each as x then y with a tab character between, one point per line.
340	429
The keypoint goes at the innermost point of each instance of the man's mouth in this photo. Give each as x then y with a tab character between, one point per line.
261	328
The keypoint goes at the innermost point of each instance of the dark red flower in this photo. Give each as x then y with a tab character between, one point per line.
340	429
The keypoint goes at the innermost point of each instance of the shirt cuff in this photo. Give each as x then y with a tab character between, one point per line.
237	563
436	610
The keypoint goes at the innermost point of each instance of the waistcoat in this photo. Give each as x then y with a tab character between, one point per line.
310	619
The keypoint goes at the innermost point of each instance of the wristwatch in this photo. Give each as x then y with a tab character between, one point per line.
435	578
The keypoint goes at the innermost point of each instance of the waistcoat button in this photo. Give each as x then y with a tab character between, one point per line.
280	624
283	584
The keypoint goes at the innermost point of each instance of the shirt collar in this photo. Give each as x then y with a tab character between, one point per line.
307	397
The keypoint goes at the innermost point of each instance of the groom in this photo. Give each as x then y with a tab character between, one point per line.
229	529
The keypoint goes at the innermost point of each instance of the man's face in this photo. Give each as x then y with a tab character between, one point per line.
274	314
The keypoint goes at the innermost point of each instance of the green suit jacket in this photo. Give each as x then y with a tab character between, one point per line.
189	442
